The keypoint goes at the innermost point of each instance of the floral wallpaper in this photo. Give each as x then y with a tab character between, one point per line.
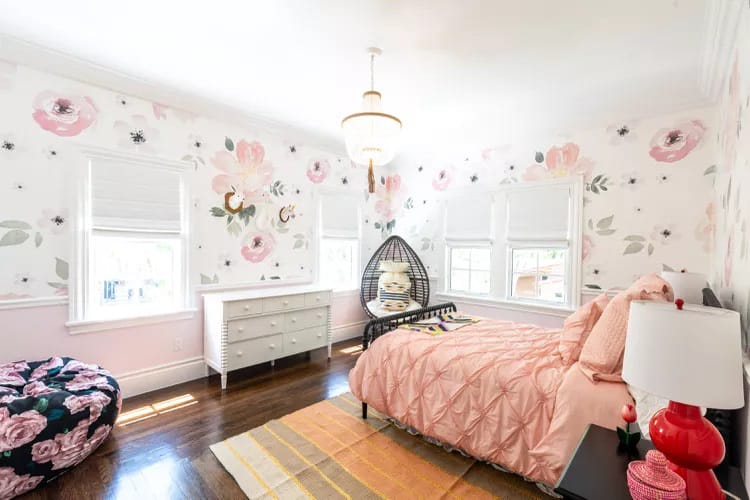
252	190
731	263
648	192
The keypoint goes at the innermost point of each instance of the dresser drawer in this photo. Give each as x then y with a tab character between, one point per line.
318	298
305	340
243	329
283	303
239	308
254	351
306	318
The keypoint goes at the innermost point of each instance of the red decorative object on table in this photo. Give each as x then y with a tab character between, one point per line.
628	439
652	479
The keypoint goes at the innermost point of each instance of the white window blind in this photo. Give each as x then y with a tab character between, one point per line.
132	197
469	218
539	214
340	216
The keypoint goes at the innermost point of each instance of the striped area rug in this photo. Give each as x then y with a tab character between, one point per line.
327	451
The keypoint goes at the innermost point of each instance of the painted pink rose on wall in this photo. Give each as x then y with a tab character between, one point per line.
63	115
137	134
19	429
317	170
561	161
248	172
11	484
442	180
390	197
160	111
257	246
587	246
673	144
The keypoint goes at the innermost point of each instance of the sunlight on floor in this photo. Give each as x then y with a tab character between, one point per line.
352	351
158	408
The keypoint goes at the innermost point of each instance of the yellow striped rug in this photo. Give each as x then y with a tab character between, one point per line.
328	451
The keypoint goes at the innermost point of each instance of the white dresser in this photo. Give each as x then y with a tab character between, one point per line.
245	328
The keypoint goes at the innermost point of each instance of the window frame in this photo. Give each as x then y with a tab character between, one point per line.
320	235
80	284
500	255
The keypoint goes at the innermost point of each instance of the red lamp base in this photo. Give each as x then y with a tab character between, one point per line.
693	447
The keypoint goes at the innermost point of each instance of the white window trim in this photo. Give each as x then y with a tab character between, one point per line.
79	275
318	235
501	298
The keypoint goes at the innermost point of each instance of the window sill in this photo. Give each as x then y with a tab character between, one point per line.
98	325
508	305
346	292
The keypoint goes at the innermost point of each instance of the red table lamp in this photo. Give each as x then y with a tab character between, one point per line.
691	355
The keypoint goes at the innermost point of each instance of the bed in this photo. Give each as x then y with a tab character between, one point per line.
496	390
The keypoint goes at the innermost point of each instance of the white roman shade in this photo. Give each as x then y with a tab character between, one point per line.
127	196
340	216
469	218
541	214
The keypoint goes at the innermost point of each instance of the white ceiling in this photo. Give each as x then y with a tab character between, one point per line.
461	74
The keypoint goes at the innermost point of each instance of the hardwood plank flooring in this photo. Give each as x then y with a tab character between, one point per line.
166	456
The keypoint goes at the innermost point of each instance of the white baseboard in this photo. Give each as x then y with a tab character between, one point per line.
158	377
348	331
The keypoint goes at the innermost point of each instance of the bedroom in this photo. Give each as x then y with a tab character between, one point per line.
192	245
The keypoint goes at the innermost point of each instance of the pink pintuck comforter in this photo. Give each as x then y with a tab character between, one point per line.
490	389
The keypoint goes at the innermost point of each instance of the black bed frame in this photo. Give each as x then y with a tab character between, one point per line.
380	326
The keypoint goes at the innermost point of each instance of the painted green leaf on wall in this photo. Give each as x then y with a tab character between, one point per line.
229	144
15	224
592	286
633	247
13	237
38	239
208	280
218	212
61	268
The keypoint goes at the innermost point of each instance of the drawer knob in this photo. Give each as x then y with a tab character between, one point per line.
273	323
286	302
294	320
317	298
320	335
247	308
240	329
294	341
239	353
272	346
320	315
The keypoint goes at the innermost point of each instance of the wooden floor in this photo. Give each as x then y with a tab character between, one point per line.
166	455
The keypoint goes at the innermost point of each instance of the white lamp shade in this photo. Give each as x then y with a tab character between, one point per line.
691	356
371	134
687	286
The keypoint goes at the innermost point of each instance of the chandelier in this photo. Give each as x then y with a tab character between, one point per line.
371	135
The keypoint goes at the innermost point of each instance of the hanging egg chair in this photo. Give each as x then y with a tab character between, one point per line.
397	250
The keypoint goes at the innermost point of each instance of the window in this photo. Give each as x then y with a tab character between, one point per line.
339	241
539	274
470	270
132	252
517	243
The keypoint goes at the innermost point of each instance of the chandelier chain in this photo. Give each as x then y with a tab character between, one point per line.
372	71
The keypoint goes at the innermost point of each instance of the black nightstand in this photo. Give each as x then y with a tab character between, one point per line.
598	469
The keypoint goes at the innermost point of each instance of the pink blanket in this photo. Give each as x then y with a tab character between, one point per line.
490	389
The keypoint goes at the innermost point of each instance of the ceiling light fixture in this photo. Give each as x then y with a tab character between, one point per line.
371	135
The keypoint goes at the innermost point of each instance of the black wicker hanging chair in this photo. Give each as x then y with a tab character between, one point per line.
395	249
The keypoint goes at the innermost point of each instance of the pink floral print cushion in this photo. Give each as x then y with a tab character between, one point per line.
601	356
53	414
578	326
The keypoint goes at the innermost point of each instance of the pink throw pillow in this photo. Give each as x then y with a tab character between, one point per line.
577	328
601	356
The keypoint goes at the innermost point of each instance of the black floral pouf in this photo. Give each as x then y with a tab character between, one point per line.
53	414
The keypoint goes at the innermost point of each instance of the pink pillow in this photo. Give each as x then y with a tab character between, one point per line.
577	328
601	356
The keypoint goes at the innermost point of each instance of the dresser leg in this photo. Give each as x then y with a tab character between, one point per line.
273	363
364	410
223	382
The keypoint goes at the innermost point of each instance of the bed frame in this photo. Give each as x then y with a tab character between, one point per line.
380	326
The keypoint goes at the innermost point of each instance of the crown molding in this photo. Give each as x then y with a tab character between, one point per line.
43	58
720	28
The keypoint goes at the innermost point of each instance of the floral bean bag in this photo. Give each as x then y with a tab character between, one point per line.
53	414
